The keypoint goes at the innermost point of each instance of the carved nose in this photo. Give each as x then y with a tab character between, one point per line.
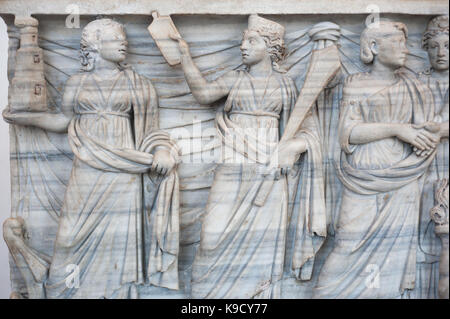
441	52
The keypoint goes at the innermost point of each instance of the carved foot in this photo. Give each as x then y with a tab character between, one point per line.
32	265
15	295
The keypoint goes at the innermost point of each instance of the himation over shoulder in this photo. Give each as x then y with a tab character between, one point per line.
224	154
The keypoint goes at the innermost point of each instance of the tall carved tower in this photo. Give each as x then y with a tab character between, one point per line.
28	89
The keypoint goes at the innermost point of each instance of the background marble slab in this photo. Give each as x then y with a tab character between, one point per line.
214	52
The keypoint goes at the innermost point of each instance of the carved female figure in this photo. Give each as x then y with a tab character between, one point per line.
242	248
119	222
385	152
435	42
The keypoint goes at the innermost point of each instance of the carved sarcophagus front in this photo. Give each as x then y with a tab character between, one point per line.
227	149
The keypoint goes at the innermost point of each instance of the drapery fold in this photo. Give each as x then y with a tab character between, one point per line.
120	221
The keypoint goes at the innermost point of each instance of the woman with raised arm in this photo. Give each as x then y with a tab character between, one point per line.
243	247
118	227
385	152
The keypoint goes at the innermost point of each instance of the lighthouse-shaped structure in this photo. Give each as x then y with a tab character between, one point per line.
28	92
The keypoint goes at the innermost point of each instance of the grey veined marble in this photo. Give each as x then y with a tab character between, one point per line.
266	153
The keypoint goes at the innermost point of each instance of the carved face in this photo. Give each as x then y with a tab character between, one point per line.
113	45
438	52
391	50
253	48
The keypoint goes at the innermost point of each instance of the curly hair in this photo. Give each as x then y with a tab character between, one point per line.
437	25
275	46
374	31
91	40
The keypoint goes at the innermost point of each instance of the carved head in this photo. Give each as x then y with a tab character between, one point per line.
435	41
263	38
103	38
385	42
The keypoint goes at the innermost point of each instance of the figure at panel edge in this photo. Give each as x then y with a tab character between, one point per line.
386	150
119	223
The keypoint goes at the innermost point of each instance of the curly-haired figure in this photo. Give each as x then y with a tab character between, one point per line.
242	247
118	227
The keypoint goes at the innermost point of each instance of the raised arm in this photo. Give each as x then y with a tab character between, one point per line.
205	92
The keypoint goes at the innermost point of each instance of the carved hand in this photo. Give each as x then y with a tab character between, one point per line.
53	122
19	118
436	131
163	162
182	44
432	127
421	139
439	129
287	153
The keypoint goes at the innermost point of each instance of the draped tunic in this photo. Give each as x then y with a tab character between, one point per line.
119	224
376	235
242	250
429	244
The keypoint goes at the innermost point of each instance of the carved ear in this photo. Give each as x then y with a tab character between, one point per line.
373	46
366	53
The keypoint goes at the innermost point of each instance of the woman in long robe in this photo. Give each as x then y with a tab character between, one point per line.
376	236
118	227
242	248
435	41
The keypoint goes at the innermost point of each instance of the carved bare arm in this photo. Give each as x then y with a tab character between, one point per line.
205	92
416	136
357	131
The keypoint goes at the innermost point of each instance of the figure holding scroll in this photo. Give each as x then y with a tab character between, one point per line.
242	248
